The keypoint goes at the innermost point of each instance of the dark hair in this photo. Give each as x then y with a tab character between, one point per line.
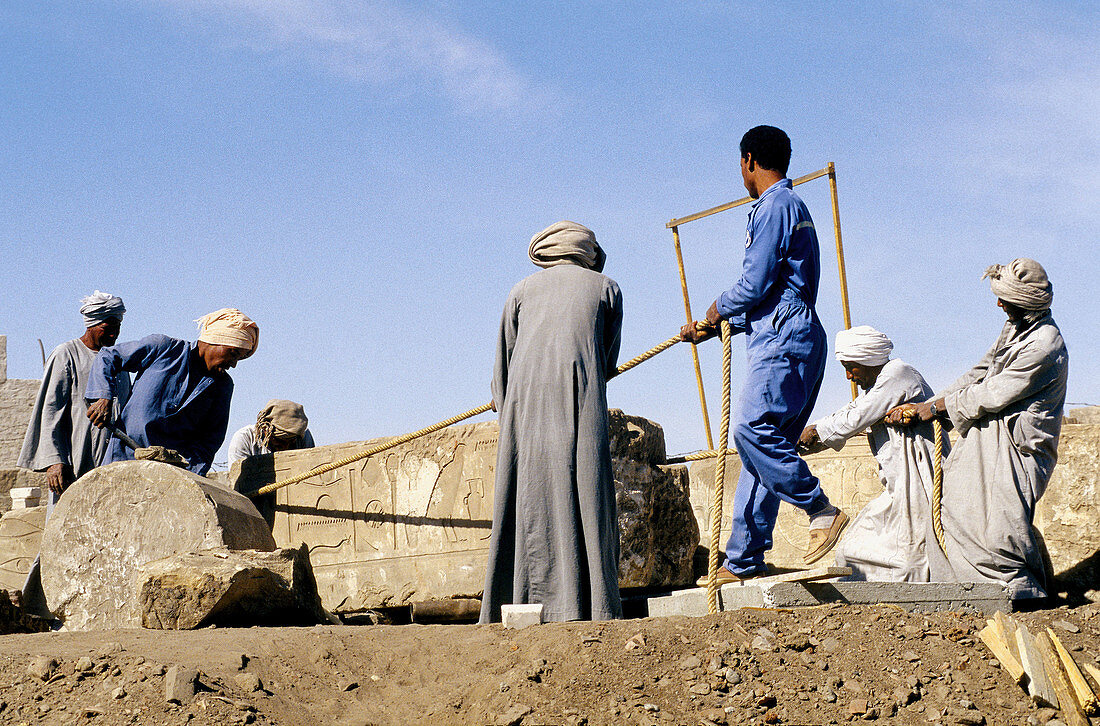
770	148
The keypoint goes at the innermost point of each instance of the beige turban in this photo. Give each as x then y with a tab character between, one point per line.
229	326
863	345
567	243
1022	282
282	419
99	306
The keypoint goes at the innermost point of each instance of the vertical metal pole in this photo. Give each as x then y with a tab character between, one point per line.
840	259
694	350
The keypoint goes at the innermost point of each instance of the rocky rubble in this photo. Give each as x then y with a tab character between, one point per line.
827	665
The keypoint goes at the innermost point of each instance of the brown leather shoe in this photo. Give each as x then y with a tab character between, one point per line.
725	577
822	541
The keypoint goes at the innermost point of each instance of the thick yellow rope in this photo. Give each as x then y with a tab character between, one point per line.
405	438
694	456
719	475
937	485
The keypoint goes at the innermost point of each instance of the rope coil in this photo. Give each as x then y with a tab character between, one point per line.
405	438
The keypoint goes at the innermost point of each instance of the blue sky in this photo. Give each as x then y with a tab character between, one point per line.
362	178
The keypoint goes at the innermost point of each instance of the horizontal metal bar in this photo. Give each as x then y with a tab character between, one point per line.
730	205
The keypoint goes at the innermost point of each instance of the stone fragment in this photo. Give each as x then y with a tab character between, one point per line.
1067	626
229	588
521	616
248	682
41	667
514	715
179	683
119	517
858	706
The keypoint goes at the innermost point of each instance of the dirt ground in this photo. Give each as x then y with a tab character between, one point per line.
825	665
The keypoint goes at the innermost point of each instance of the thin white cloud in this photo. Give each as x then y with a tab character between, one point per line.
373	42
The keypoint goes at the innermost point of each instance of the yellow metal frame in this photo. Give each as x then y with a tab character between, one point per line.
674	225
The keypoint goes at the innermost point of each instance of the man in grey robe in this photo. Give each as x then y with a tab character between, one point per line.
60	439
887	539
555	537
1007	411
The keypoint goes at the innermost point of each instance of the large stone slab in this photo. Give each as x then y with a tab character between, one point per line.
20	537
1066	515
413	523
229	588
115	519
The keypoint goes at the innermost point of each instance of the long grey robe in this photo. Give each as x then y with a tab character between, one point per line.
555	537
1007	411
887	540
60	432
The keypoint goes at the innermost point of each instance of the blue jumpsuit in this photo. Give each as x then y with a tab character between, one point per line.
773	304
166	407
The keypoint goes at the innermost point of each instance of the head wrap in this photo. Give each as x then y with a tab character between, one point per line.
281	419
863	345
229	326
1022	282
99	306
567	243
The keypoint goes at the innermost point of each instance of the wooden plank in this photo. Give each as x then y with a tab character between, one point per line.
1039	687
1094	672
1082	693
1072	714
818	573
999	648
1007	628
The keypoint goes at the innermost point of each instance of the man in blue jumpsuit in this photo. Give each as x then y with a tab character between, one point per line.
773	305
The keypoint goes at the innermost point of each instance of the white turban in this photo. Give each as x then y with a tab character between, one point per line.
1022	282
229	326
863	345
567	243
99	306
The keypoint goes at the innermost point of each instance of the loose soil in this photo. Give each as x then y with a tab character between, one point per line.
825	665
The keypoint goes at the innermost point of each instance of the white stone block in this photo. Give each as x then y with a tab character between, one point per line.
520	616
25	497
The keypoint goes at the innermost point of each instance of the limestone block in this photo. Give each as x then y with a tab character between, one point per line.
20	537
229	588
115	519
1068	511
15	478
25	497
413	523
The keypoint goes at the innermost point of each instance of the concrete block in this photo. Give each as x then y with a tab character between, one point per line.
412	524
520	616
118	517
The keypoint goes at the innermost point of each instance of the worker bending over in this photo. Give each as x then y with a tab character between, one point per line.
888	539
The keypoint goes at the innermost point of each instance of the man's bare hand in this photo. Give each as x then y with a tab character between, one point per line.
909	414
100	412
58	478
697	331
809	442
